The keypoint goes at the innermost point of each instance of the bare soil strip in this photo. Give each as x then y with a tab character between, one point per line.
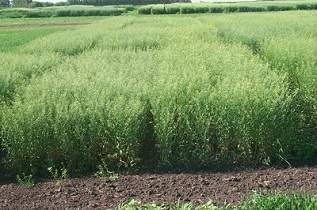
92	192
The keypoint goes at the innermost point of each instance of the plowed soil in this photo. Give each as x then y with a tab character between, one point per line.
93	192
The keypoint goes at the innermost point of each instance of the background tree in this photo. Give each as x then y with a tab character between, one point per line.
21	3
4	3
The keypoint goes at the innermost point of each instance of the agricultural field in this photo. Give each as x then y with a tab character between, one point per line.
155	9
147	94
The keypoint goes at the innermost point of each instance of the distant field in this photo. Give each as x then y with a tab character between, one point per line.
17	32
36	22
10	39
175	8
63	11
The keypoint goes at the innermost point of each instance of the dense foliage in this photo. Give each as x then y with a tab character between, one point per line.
34	4
21	3
172	92
4	3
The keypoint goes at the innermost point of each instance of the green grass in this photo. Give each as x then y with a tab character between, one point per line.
11	39
174	92
269	202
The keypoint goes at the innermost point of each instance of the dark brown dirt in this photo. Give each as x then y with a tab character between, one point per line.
92	192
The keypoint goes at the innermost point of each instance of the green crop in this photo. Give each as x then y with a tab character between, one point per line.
258	6
153	91
261	202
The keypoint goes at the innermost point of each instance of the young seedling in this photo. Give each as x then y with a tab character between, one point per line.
25	180
105	173
59	175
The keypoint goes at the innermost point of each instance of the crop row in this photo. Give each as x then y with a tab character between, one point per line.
286	50
225	8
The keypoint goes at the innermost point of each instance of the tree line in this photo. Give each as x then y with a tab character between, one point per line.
30	3
122	2
4	3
